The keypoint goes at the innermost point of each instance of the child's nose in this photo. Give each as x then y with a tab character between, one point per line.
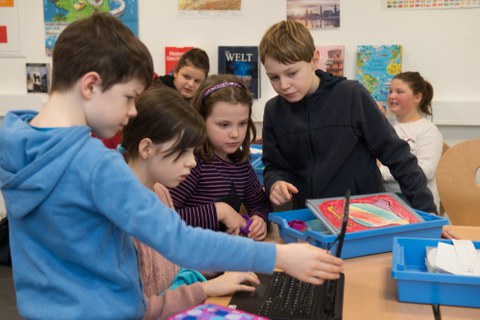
284	83
234	132
191	162
132	111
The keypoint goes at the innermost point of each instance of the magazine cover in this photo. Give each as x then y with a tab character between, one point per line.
376	67
366	212
331	59
242	62
37	77
172	56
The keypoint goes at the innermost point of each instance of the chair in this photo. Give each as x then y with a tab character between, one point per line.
441	210
457	182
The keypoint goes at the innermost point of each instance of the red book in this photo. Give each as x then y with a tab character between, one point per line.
172	56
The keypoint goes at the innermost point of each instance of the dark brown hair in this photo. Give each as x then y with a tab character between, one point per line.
100	43
194	57
418	85
163	115
287	42
231	94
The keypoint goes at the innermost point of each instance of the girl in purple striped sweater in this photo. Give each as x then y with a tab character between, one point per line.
223	180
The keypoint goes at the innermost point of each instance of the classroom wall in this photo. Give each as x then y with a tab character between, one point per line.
444	45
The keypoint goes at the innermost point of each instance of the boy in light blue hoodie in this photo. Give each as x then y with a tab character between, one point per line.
73	205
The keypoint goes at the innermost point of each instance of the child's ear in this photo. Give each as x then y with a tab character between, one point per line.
316	58
145	148
418	98
89	83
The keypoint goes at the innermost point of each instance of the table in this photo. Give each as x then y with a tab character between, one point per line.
371	293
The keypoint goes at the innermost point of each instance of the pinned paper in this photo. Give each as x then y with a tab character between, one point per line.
3	34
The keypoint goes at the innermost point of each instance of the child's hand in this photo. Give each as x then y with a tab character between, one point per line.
308	263
281	192
230	218
163	194
447	233
230	282
258	229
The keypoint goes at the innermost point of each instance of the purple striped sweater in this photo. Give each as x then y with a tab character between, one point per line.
195	198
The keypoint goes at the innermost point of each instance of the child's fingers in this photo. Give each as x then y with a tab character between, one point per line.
276	200
246	287
258	231
292	188
234	231
278	197
285	191
250	277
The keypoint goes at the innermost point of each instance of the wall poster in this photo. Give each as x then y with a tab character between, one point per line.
58	14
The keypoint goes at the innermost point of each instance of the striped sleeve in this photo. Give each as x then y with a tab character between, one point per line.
256	200
202	215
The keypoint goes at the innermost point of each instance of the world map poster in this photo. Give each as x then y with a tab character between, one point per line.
376	67
58	14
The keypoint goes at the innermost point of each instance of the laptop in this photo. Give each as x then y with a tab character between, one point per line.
280	296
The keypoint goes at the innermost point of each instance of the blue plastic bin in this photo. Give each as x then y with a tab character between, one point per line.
256	161
360	243
258	168
417	285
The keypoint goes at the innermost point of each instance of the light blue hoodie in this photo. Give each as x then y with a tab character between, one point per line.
72	205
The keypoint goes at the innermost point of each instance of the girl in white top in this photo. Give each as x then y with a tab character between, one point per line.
410	99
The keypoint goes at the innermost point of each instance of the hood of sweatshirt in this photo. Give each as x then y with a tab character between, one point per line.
328	80
33	160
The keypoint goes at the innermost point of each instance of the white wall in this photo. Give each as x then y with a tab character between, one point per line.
444	45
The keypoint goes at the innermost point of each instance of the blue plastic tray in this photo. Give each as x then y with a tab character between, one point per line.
360	243
417	285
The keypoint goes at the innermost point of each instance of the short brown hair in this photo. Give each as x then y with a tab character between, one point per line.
163	115
287	42
100	43
204	101
194	57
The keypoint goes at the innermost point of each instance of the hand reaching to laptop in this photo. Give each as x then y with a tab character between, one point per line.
308	263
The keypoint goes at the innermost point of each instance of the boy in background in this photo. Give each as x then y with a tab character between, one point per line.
322	134
73	204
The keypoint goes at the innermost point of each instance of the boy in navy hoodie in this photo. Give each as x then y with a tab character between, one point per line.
323	134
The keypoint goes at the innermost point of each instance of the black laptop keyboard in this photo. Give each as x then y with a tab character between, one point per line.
289	297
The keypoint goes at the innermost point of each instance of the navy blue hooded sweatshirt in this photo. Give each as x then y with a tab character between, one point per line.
329	142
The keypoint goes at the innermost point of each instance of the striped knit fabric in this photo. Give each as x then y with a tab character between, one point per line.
195	198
